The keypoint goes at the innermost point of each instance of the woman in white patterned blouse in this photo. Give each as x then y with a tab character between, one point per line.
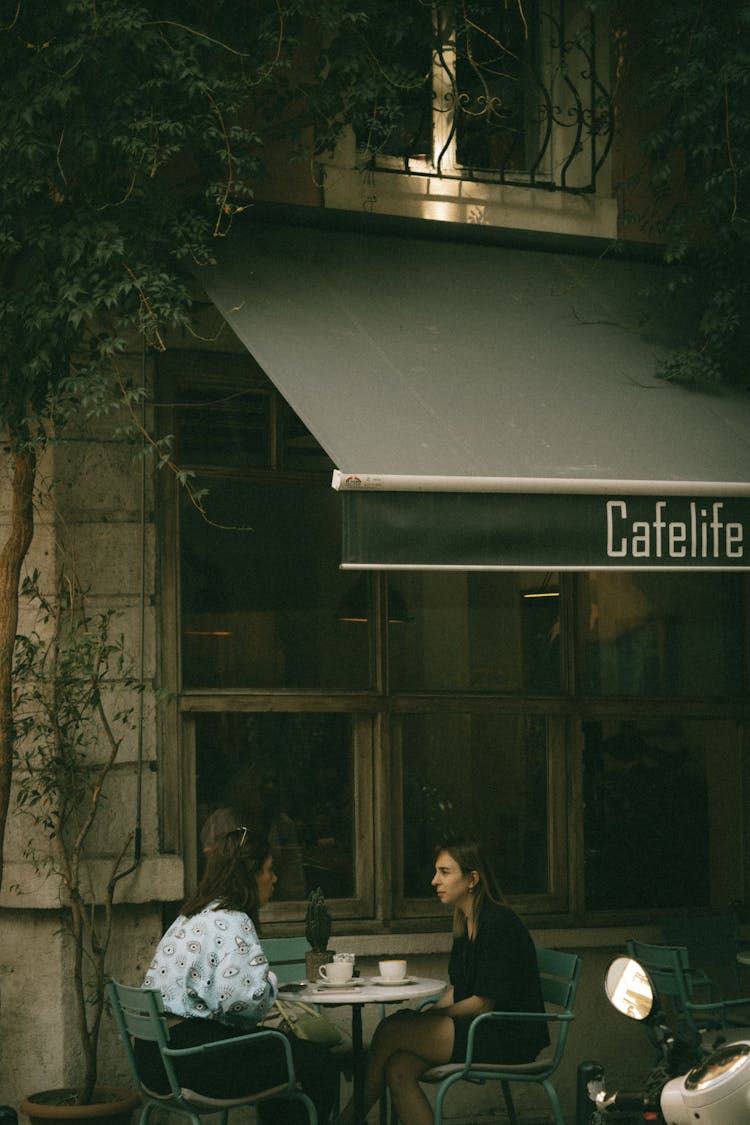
216	983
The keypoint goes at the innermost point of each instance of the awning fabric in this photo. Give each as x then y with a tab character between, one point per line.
490	405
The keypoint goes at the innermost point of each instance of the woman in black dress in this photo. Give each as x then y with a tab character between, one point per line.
492	968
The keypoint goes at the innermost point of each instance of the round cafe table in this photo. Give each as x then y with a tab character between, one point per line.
362	991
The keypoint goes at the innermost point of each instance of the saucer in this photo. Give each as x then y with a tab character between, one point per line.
329	986
388	981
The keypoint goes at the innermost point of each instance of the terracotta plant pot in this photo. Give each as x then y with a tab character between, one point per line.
115	1107
314	958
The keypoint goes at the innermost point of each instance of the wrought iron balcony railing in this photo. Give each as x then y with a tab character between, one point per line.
507	93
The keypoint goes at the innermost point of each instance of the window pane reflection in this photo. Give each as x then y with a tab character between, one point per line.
260	587
223	418
476	631
292	775
647	634
495	84
482	776
649	786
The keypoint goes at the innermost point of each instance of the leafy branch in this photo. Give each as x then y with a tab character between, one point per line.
63	668
689	64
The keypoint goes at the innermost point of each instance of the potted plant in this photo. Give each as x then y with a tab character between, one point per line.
69	738
317	932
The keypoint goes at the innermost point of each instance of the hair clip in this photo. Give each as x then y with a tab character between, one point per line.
240	828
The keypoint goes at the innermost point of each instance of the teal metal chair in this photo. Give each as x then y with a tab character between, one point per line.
139	1013
559	974
687	994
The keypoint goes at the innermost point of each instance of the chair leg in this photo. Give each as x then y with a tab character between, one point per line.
383	1108
146	1113
312	1115
509	1106
553	1101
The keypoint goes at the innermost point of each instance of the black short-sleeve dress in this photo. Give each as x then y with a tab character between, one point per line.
500	962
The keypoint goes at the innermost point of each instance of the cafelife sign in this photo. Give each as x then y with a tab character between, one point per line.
553	531
696	530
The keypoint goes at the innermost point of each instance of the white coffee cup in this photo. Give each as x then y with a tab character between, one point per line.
392	970
336	972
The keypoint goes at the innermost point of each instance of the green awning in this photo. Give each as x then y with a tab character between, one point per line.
485	403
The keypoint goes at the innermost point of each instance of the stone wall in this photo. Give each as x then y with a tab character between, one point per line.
94	514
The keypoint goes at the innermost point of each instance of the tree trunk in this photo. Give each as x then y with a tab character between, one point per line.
15	549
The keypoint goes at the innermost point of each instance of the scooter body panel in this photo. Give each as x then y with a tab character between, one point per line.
717	1092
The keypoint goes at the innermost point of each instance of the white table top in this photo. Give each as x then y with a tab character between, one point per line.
368	992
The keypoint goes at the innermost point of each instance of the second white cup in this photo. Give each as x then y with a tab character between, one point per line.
392	970
336	972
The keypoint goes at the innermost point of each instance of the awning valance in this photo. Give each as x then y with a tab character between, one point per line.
496	529
527	375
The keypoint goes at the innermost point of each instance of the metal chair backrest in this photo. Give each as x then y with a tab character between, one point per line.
286	956
668	967
139	1014
559	974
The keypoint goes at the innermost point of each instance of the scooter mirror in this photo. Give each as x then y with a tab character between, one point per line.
629	989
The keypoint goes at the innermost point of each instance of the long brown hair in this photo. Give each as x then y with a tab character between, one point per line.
230	878
470	856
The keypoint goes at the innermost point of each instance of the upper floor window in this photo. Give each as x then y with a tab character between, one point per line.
513	93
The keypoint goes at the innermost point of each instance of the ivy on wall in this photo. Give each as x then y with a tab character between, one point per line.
690	60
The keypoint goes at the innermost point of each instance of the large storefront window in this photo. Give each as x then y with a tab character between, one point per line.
480	775
474	631
662	814
650	634
588	727
261	590
292	776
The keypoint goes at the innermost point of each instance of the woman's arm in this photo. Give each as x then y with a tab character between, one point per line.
246	986
444	1000
468	1008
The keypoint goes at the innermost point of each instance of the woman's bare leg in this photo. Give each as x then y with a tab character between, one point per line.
429	1037
402	1073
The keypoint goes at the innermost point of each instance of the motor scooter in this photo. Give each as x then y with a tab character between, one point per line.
714	1091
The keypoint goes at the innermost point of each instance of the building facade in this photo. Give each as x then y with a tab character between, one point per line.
589	724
